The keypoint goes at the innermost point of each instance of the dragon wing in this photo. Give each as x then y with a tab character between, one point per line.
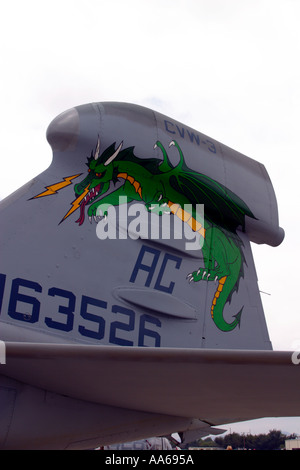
221	205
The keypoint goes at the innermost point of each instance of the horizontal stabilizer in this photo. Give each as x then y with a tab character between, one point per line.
216	386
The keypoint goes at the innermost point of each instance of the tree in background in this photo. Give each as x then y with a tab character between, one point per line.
272	441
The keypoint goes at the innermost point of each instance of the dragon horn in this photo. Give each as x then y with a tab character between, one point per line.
165	165
173	142
110	159
97	151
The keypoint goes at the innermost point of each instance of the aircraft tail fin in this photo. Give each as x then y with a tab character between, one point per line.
138	234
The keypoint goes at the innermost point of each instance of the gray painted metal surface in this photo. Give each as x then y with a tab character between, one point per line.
62	279
110	247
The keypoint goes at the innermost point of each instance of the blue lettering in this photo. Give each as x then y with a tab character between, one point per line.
66	310
99	334
184	132
2	285
192	136
143	331
158	284
211	147
15	297
181	132
117	325
167	124
26	308
150	269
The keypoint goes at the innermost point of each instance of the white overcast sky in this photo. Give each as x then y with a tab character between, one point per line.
228	68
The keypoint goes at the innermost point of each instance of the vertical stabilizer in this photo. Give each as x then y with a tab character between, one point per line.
138	234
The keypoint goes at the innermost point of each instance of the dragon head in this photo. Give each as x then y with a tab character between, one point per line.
100	174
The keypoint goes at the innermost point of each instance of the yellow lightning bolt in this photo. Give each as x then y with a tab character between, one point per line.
76	203
53	188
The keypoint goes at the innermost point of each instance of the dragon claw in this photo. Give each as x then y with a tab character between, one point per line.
200	275
159	205
190	277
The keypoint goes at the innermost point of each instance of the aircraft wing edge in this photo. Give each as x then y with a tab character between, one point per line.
216	386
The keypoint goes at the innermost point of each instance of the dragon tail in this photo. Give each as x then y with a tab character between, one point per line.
226	286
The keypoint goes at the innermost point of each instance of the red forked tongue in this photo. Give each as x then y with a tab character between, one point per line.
91	195
82	207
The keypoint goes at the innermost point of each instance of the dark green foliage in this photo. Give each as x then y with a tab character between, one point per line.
274	440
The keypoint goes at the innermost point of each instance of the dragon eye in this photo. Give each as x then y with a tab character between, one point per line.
98	174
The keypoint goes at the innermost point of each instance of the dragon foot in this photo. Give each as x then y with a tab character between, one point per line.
159	205
202	275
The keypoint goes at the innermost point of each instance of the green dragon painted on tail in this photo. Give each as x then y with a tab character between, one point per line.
159	184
